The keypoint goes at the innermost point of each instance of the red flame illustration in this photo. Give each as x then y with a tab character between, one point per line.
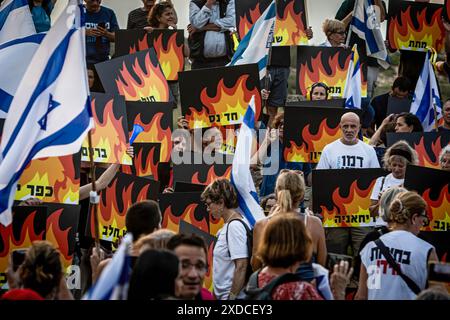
143	167
211	176
245	24
170	58
438	210
424	157
58	237
172	222
289	28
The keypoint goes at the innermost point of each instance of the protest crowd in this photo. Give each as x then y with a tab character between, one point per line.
137	164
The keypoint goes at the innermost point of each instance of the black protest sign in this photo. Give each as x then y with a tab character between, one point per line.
247	12
201	173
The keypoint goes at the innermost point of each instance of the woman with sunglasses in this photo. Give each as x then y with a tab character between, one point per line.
410	253
335	32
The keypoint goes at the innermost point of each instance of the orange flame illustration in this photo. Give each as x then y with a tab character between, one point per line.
402	32
151	85
141	45
51	180
59	238
108	137
245	24
172	222
171	58
207	283
229	105
111	217
350	211
10	243
313	144
424	157
438	210
154	133
334	80
211	176
214	225
144	167
289	29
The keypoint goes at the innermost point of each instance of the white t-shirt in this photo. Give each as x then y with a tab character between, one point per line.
337	155
410	252
389	181
224	254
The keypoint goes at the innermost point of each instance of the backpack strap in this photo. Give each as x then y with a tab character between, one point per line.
385	252
252	283
279	280
382	185
247	230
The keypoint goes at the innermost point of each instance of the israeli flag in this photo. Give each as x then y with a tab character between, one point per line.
366	24
115	278
15	57
254	47
241	177
426	104
50	114
15	20
352	91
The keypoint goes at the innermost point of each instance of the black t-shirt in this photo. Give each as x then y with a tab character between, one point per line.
379	105
281	57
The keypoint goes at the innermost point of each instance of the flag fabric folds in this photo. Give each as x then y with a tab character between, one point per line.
15	56
114	280
251	49
426	104
241	177
50	113
352	91
366	25
15	20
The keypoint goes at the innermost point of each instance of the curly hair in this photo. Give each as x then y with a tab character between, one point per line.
41	270
221	189
405	205
156	11
400	150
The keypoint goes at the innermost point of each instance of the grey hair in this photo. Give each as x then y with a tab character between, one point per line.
444	151
385	202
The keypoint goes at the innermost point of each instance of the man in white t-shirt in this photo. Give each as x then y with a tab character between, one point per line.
347	153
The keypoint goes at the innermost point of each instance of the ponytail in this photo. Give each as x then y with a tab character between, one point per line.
284	201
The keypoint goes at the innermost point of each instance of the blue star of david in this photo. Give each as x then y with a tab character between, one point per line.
52	104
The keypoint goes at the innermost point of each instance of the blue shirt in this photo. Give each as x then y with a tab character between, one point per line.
98	52
268	183
41	19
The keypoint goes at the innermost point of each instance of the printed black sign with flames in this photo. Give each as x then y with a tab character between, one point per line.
168	45
221	97
121	193
201	173
136	77
290	24
307	130
428	145
247	12
415	26
145	161
344	200
151	123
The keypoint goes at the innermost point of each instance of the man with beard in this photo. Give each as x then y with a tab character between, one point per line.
192	253
137	19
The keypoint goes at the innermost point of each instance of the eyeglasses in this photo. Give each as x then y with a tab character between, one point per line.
426	221
199	266
342	33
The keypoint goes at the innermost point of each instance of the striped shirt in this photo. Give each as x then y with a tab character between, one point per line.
137	19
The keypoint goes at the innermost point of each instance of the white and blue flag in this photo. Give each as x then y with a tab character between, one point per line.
50	113
15	57
15	20
114	280
366	24
352	91
254	47
241	177
426	104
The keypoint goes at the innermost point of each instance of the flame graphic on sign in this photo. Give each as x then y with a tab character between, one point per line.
331	73
208	281
171	58
424	157
58	237
245	24
154	133
111	213
141	45
289	29
438	210
211	176
150	86
172	222
143	166
108	135
429	34
357	203
214	225
10	243
57	173
312	143
226	101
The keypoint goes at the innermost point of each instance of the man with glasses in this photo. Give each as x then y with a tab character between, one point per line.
192	252
101	24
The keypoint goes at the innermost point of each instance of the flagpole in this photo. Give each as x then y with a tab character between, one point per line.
266	77
94	198
347	43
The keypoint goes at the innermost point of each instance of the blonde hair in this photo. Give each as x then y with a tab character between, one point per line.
331	26
403	146
289	190
405	205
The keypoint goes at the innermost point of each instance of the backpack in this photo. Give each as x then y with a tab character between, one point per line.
249	232
253	292
197	39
